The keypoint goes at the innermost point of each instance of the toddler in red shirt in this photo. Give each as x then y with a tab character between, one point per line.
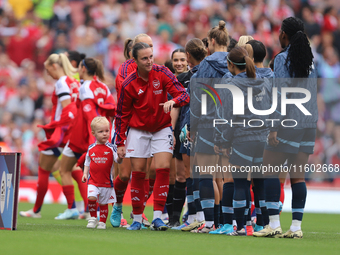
98	172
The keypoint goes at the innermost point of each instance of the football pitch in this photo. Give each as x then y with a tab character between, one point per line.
48	236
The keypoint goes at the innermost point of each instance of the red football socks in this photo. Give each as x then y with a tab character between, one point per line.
103	213
120	188
146	191
93	208
137	192
42	187
151	184
161	188
69	194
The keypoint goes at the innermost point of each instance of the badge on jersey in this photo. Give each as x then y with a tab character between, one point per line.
87	108
156	84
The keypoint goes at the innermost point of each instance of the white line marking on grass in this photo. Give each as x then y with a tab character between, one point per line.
322	233
34	224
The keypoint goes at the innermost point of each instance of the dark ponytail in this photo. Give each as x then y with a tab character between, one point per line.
196	48
75	56
127	48
299	61
94	67
250	67
240	58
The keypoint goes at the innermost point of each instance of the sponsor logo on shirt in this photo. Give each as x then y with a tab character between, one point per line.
74	85
112	197
99	160
156	84
87	108
140	91
158	92
93	154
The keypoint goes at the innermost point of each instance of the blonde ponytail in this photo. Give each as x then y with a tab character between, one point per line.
63	61
69	70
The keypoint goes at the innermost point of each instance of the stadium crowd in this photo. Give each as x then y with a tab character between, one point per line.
32	30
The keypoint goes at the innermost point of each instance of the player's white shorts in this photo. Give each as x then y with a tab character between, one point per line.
143	144
53	152
104	195
67	151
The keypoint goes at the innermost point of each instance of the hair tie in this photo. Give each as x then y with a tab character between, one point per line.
85	65
238	64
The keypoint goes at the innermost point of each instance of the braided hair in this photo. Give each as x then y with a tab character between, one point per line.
299	61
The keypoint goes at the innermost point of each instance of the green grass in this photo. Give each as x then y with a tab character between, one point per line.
48	236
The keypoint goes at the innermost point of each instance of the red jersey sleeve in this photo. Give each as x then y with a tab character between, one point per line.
124	71
124	112
175	88
119	79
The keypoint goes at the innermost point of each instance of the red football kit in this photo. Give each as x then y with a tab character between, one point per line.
95	100
100	158
57	131
138	104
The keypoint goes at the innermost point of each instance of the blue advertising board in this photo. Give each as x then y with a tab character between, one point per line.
9	189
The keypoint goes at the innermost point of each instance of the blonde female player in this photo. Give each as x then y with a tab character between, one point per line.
95	100
64	111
